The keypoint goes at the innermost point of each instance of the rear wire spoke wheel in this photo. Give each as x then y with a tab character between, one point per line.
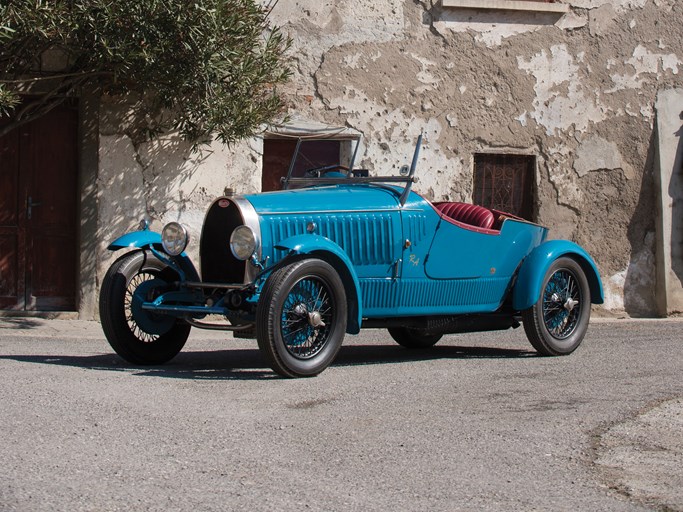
301	318
557	323
138	336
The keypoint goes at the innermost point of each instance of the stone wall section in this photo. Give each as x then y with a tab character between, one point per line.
577	90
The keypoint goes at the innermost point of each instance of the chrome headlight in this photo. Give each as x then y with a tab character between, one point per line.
243	242
174	238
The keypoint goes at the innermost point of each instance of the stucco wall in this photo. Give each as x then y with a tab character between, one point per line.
163	180
577	90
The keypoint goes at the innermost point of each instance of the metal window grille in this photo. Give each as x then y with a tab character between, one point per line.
505	182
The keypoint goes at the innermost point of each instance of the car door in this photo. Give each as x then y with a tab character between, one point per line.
461	253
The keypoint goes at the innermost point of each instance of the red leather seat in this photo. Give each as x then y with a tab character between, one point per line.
471	214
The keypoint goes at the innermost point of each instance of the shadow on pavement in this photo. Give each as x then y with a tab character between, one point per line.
20	323
387	354
248	364
238	364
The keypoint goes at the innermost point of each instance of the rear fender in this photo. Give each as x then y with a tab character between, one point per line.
326	249
534	267
152	240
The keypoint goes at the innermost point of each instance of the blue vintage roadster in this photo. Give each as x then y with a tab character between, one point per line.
337	251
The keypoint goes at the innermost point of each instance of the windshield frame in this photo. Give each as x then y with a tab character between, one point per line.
353	176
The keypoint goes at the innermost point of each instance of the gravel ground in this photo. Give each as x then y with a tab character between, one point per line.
477	423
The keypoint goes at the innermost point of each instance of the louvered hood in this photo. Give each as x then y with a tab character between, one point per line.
363	220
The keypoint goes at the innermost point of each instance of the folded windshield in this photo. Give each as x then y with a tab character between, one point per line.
320	162
315	158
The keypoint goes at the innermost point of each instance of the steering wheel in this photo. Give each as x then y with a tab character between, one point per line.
319	172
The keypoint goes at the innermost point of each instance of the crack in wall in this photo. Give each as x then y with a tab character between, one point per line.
498	82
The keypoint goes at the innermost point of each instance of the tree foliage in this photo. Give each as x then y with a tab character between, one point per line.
206	68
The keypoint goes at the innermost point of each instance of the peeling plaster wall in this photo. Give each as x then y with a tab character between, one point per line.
163	180
575	90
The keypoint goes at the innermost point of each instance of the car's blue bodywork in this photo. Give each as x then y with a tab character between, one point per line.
531	274
146	239
395	261
298	268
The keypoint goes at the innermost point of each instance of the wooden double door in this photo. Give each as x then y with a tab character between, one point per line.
39	213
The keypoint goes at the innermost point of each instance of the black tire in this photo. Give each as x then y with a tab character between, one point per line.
413	338
301	318
557	323
118	312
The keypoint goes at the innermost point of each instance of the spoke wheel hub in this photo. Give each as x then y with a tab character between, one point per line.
315	320
561	303
307	314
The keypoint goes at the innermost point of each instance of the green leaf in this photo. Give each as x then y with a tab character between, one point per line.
208	68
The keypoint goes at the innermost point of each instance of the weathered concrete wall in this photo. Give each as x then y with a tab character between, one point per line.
577	90
163	180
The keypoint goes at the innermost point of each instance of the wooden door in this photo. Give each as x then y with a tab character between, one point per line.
38	213
277	155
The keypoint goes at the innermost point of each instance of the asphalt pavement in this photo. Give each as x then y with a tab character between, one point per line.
479	422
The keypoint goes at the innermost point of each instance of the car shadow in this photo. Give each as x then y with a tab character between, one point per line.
355	355
234	364
248	364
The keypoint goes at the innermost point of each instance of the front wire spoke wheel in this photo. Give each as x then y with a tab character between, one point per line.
306	317
301	317
138	336
137	331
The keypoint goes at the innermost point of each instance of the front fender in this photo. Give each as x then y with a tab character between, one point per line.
534	267
326	249
148	240
139	239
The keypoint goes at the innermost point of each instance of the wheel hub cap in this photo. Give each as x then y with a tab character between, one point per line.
307	317
315	320
301	310
570	304
561	304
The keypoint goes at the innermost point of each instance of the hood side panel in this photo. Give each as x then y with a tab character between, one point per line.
326	199
369	239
